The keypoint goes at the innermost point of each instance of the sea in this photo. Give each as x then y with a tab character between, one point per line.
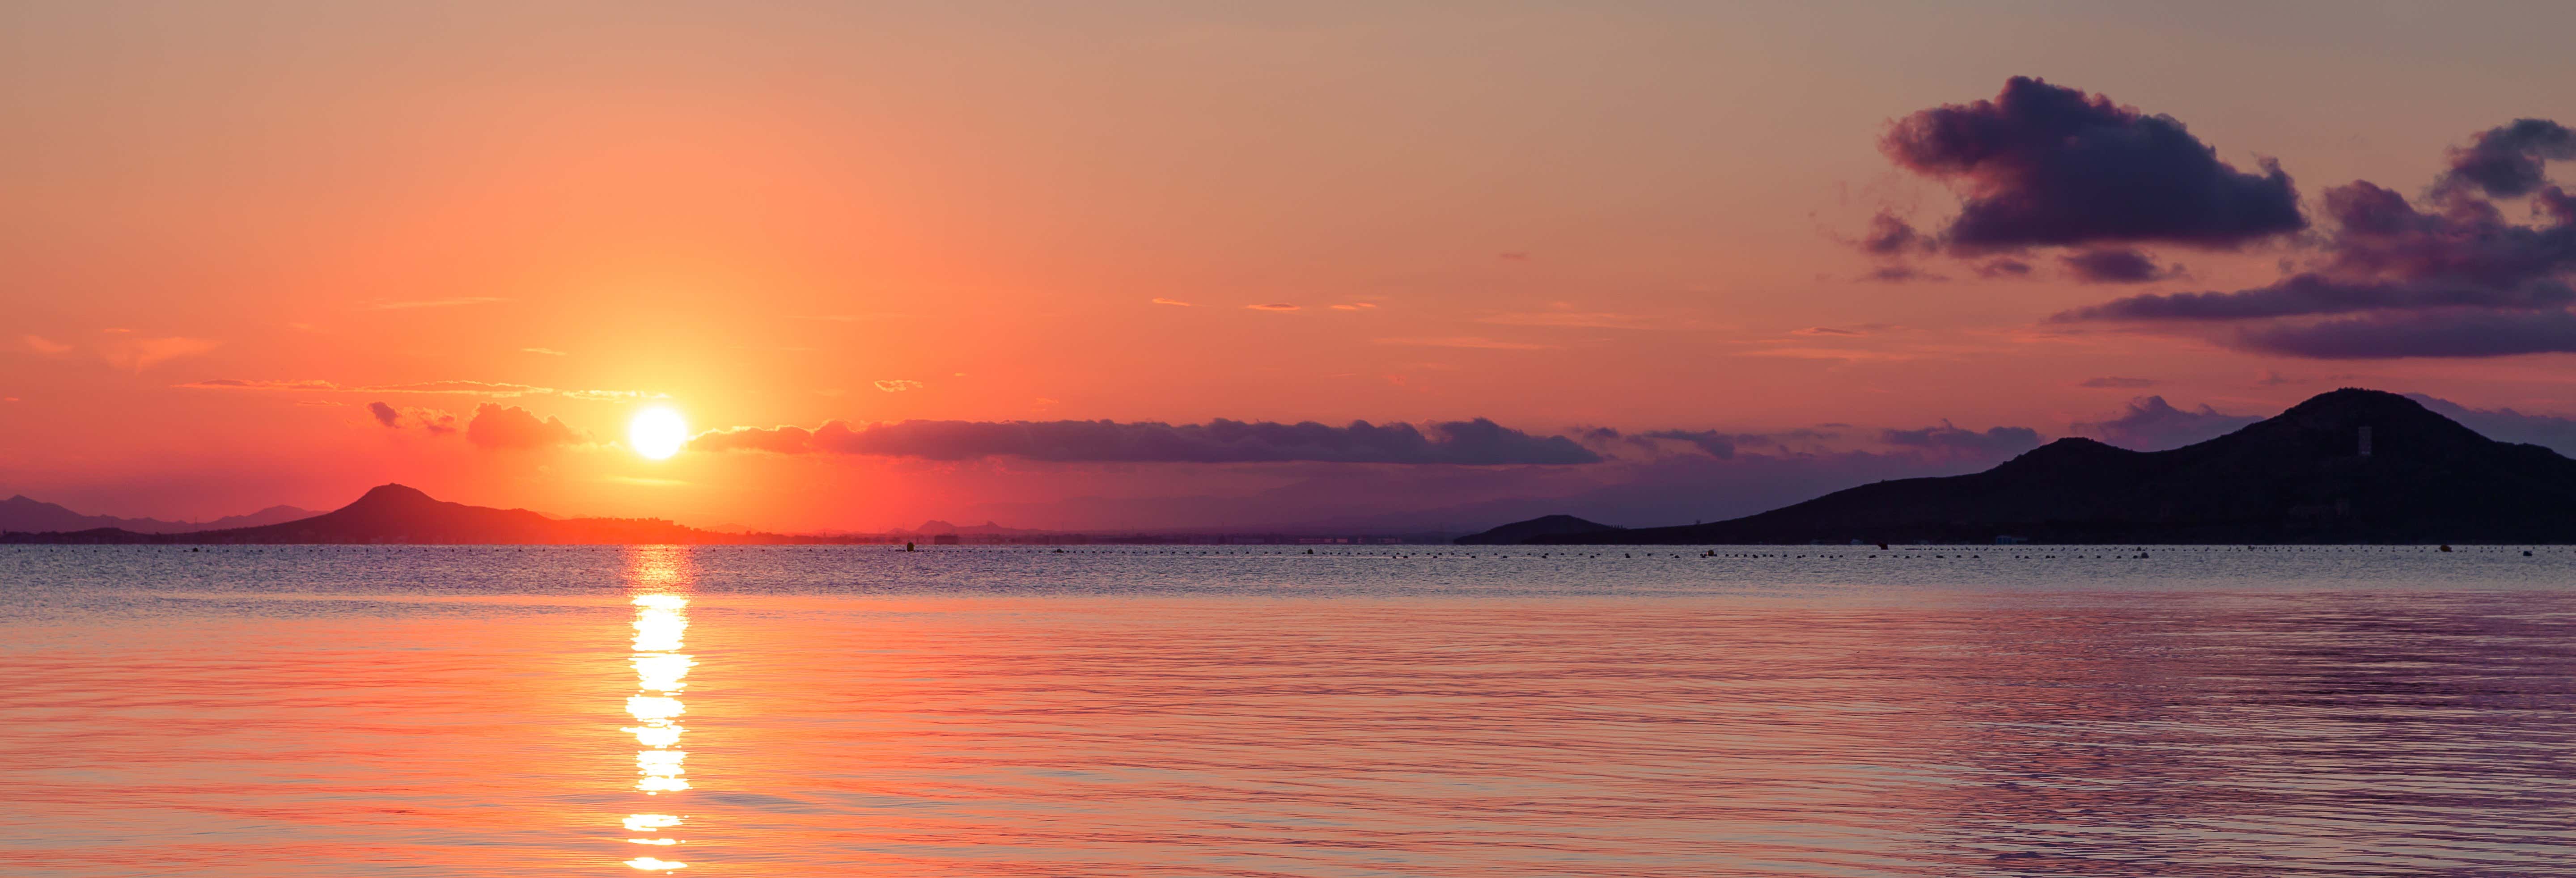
1336	711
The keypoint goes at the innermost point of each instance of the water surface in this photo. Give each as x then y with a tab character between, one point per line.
433	711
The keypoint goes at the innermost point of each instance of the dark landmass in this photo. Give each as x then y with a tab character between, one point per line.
2305	476
399	514
1519	532
22	513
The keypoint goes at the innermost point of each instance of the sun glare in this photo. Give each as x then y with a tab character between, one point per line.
657	433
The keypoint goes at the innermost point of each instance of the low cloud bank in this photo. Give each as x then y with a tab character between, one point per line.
1478	442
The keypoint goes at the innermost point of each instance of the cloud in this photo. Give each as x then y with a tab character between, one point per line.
1465	341
437	423
1172	302
2452	278
143	353
1889	235
1477	442
2438	334
1860	330
609	395
2308	294
551	352
2003	268
1710	442
1583	320
2045	165
498	389
1994	442
2506	425
46	346
1355	306
259	384
2116	265
1897	274
2507	161
2151	424
452	302
2118	382
499	427
1274	306
1848	355
897	385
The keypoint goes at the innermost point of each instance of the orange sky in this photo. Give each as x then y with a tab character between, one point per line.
1549	216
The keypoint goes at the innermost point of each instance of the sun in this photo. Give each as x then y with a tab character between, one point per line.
657	433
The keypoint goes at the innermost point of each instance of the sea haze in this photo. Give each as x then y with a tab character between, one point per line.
1260	711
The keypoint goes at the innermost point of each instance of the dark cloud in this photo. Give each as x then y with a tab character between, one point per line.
2506	425
2309	294
498	426
2118	382
1897	274
2044	165
2117	265
1711	442
437	423
1994	442
1478	442
2458	333
2151	424
2507	161
2452	278
2003	268
1890	236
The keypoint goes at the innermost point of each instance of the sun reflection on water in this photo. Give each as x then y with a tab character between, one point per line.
658	575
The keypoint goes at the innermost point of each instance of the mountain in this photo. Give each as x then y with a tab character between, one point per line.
935	527
1519	532
20	513
2356	466
399	514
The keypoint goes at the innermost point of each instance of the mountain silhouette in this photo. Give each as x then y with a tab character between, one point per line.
1543	526
22	513
2350	466
401	514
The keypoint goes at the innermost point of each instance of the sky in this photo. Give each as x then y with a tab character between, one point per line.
1643	262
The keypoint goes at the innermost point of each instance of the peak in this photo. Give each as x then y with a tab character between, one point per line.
394	493
2358	398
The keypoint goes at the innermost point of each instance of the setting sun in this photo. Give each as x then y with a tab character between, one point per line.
657	433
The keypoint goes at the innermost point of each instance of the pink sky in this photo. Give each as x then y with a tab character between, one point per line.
231	228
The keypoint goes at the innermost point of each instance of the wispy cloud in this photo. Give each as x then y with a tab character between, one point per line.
650	483
551	352
897	385
1586	320
142	353
489	389
453	302
1274	306
1173	302
259	384
1844	354
46	346
1465	341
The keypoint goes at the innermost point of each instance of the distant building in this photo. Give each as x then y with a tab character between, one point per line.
2365	441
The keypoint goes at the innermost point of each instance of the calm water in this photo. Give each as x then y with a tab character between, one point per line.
348	711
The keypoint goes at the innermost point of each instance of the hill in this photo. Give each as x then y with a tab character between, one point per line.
22	513
1519	532
2350	466
399	514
